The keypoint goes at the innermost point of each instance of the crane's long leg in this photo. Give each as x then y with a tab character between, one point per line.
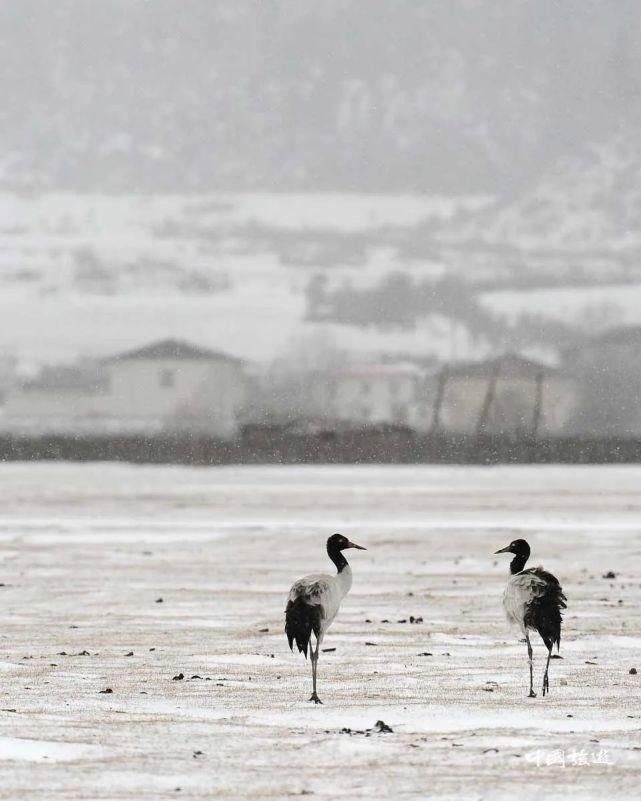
546	683
314	658
529	656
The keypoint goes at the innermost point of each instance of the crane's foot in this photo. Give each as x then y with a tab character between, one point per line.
532	694
315	699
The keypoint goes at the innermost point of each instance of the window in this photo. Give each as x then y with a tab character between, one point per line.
167	378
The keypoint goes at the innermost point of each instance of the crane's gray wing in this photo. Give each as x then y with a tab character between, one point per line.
313	590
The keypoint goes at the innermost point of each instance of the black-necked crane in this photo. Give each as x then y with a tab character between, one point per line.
533	600
314	601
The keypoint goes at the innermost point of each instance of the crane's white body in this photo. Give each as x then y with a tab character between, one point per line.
521	589
320	589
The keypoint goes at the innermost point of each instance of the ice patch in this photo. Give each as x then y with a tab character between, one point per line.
17	749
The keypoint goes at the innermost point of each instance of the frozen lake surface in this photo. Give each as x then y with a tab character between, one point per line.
89	551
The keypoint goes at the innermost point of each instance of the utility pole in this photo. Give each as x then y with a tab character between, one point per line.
538	404
438	402
488	400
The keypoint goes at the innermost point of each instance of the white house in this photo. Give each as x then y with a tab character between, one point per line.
165	386
371	394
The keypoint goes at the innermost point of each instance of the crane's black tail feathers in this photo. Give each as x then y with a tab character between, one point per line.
545	612
301	619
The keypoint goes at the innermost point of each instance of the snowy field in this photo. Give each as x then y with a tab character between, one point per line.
89	551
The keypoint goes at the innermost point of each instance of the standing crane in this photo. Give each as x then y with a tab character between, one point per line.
314	602
533	600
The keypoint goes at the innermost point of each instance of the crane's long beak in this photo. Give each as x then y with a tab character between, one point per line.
504	550
354	545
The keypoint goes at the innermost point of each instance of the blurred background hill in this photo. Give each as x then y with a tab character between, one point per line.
448	96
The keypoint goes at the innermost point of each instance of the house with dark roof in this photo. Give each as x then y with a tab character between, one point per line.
505	395
611	343
172	349
165	386
607	369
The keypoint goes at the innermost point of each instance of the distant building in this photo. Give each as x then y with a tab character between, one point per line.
508	395
613	343
375	394
607	369
7	374
168	385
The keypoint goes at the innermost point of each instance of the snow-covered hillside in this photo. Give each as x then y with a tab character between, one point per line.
86	275
587	202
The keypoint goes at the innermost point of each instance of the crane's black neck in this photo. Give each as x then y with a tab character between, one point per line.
518	563
336	555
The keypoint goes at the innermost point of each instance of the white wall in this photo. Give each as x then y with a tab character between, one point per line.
202	394
38	403
205	394
379	399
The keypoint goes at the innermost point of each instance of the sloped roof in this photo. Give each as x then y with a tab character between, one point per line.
173	349
510	364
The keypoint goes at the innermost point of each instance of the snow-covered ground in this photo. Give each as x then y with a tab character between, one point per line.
89	551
